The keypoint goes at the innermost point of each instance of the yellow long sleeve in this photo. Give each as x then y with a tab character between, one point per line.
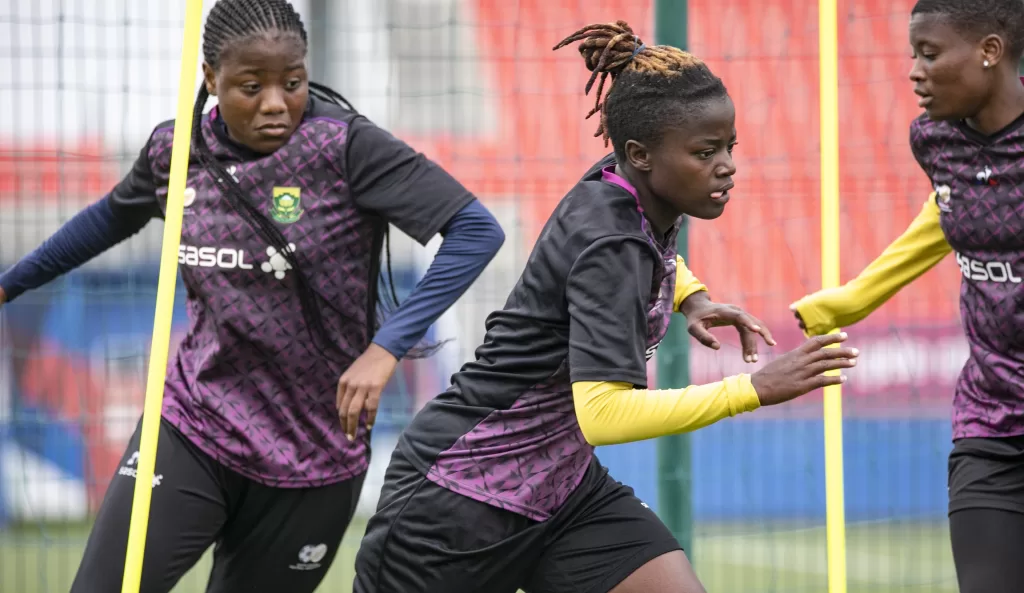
913	253
686	284
610	413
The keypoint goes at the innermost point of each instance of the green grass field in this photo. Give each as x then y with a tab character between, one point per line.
733	558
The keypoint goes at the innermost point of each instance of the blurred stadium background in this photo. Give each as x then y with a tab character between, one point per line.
475	85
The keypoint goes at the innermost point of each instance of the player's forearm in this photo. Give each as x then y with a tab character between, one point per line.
88	234
471	240
687	285
913	253
611	413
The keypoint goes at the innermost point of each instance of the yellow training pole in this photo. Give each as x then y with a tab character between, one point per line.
828	56
164	299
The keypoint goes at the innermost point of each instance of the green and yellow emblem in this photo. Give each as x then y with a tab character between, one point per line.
287	204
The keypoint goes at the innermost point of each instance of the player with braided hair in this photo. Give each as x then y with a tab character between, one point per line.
290	193
494	485
968	142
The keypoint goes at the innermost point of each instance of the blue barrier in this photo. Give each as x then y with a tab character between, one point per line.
774	469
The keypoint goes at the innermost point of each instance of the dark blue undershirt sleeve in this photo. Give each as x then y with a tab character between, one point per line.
119	215
88	234
471	239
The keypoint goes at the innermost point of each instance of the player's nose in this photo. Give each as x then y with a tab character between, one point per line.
272	102
916	73
727	167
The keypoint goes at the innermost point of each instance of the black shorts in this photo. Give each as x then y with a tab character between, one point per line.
987	473
267	539
986	514
427	539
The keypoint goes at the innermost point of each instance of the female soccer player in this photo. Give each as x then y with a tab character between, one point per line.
262	448
968	141
494	486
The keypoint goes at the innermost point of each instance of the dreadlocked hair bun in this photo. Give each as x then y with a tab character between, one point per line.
613	50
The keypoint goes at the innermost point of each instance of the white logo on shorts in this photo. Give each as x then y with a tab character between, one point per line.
310	557
128	470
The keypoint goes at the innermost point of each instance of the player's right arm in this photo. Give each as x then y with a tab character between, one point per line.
608	290
912	254
116	217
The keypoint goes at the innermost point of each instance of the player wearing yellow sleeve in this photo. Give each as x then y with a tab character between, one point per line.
968	141
614	412
687	285
495	484
913	253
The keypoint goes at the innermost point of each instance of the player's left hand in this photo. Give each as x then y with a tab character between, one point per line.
360	386
702	314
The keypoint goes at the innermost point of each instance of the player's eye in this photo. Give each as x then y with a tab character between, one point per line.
925	54
706	154
293	84
251	87
732	145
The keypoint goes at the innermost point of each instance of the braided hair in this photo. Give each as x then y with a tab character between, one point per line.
978	18
229	22
652	88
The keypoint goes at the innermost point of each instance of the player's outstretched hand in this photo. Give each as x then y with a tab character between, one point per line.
702	314
802	370
360	386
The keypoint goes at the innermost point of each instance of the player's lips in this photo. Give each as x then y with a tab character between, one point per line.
273	130
722	195
924	99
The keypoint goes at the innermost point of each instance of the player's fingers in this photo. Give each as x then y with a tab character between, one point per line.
765	333
702	335
352	413
371	405
824	366
826	380
748	343
343	396
799	318
755	325
818	342
833	353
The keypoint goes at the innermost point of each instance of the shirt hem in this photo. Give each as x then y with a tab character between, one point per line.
488	498
609	376
444	218
961	434
286	483
468	491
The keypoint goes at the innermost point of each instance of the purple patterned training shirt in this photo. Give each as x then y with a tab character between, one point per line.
247	385
592	304
979	185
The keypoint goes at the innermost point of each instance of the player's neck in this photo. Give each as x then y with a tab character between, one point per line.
1006	106
658	213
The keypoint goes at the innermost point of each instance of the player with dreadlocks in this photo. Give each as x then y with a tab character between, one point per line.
968	141
262	449
494	485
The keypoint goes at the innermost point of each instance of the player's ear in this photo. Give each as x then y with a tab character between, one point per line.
638	156
210	79
993	49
